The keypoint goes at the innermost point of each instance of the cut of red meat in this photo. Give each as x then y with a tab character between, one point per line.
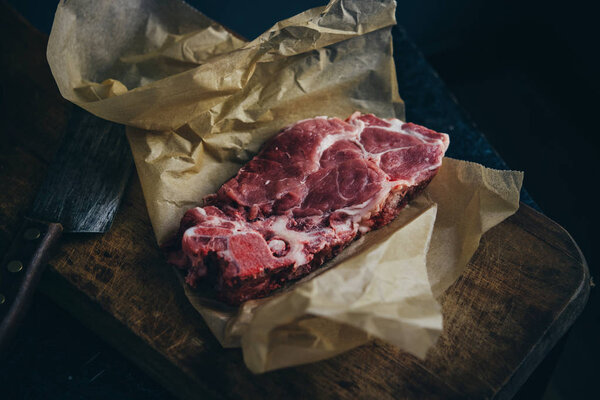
312	190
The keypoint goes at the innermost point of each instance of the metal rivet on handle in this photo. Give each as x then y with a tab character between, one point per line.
32	234
14	266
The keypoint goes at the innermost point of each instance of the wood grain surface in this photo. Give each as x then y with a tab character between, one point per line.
521	291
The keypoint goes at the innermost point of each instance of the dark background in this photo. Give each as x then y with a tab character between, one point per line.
525	72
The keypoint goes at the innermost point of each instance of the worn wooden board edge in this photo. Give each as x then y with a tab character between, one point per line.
554	332
183	386
132	347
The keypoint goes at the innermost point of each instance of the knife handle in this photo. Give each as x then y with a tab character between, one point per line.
20	272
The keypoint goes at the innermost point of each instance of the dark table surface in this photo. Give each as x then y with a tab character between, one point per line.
55	357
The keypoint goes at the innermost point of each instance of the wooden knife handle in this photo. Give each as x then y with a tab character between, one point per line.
20	272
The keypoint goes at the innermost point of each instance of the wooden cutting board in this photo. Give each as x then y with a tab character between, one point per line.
521	291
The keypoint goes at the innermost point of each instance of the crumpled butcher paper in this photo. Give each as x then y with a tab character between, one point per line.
199	101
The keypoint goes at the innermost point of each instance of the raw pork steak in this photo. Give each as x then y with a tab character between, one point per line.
313	189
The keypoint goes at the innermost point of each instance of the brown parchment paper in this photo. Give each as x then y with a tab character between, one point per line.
199	102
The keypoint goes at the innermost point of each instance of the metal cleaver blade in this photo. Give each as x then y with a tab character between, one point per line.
81	193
